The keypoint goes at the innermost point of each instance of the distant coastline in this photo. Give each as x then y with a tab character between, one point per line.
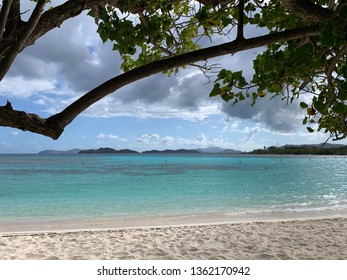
108	150
319	149
328	149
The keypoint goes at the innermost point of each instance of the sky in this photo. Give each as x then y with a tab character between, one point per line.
158	112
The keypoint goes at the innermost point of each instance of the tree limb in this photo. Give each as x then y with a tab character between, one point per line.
28	122
11	54
5	10
54	125
332	66
55	17
240	22
14	19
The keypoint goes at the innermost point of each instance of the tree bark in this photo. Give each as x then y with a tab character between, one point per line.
5	10
307	10
28	122
16	47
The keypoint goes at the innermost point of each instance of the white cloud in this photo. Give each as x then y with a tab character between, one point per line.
14	134
146	138
40	101
147	141
168	139
21	87
109	136
201	138
251	131
230	124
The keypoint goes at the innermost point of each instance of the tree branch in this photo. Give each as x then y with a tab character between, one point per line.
5	10
240	22
11	54
28	122
56	16
332	66
14	20
54	125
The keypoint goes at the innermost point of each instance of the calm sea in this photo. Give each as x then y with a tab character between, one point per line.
43	188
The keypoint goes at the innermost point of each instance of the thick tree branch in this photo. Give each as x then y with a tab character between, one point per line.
11	54
71	112
54	126
13	26
28	122
14	19
5	10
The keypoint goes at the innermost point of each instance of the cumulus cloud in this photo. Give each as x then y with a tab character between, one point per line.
21	87
109	136
172	142
146	138
73	53
167	140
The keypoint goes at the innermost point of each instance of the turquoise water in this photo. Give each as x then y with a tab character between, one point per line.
42	187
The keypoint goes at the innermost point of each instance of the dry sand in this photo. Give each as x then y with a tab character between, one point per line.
297	239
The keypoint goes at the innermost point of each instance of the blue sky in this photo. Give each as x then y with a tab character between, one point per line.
159	112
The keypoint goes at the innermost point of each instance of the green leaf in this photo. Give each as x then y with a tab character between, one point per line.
216	90
303	105
340	108
310	130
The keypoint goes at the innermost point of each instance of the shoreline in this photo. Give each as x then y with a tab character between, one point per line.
131	222
289	239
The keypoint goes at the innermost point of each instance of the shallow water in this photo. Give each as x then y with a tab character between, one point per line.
45	187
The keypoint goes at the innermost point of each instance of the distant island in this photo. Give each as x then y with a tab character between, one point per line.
54	152
319	149
108	150
167	151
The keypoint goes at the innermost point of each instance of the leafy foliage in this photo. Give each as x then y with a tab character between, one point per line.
163	29
313	65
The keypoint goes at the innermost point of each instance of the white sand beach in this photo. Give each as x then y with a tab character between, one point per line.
290	239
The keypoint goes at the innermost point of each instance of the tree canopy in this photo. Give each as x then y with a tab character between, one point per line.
305	51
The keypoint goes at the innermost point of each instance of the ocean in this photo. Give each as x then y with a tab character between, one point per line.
36	188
